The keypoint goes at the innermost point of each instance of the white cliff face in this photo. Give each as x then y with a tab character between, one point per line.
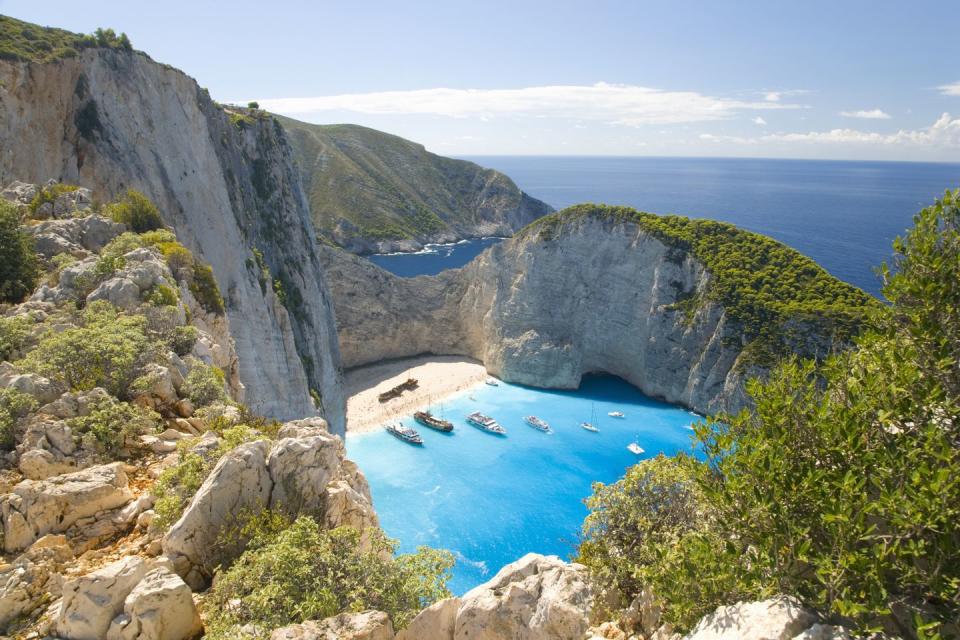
601	297
112	120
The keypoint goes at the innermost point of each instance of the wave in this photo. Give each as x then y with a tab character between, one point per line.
476	564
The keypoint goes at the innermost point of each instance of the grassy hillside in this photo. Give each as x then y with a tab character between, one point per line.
762	283
373	186
32	43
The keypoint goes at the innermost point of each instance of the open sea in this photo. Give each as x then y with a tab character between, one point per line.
492	499
844	215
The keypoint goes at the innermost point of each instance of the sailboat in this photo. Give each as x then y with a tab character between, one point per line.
589	425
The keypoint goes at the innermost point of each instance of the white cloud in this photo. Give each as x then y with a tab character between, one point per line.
777	96
773	96
952	89
944	133
760	121
629	105
864	114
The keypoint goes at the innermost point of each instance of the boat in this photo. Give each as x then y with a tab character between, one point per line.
635	448
616	414
427	419
589	427
537	423
486	423
493	382
408	435
409	385
593	418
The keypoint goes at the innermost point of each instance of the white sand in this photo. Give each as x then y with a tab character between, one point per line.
439	377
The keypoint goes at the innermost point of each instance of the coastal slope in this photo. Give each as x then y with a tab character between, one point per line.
111	119
373	192
671	305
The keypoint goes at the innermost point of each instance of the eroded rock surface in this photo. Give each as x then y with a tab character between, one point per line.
368	625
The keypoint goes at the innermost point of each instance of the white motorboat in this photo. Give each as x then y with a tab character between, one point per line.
486	423
635	448
537	423
616	414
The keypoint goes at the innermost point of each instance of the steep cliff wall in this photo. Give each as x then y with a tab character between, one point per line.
574	295
109	120
370	191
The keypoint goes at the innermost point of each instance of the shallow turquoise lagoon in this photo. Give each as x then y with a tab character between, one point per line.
491	499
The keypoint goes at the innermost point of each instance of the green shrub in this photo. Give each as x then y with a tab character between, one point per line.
161	295
60	262
306	573
104	352
13	406
19	268
122	245
204	288
14	332
49	194
183	339
176	486
841	485
110	423
204	385
136	211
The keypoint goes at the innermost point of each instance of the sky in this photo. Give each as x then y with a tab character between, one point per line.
838	79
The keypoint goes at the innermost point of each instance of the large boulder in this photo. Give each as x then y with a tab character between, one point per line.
303	472
436	622
160	607
779	618
26	580
535	598
38	507
368	625
92	601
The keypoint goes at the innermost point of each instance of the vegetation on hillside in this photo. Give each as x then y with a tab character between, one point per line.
295	572
377	186
19	270
760	282
28	42
841	486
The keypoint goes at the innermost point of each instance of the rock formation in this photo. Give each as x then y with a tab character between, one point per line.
111	119
600	295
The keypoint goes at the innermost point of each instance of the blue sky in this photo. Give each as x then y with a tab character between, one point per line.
813	79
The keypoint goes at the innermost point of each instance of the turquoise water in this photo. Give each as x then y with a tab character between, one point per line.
491	499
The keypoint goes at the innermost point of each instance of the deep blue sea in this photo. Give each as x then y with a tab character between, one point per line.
491	499
844	215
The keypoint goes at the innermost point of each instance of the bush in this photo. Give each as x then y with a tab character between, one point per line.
104	352
14	332
136	211
183	339
13	406
204	288
842	484
19	268
162	296
49	194
176	486
204	385
306	573
110	423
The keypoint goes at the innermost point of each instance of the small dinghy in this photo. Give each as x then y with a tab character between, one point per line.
537	423
589	427
616	414
493	382
408	435
635	448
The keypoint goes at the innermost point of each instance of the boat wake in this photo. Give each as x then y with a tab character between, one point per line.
476	564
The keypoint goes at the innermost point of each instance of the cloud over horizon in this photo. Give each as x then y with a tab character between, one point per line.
864	114
952	89
629	105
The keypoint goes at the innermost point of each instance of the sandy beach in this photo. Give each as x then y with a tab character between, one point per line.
439	377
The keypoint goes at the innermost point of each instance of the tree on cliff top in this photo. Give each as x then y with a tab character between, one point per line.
841	485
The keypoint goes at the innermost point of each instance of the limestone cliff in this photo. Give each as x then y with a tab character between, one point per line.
110	119
372	192
570	296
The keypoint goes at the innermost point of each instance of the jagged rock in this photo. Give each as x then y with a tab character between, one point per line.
24	581
369	625
92	601
37	507
121	292
66	204
20	192
32	384
436	622
535	598
303	472
97	231
160	607
824	632
184	408
159	384
779	618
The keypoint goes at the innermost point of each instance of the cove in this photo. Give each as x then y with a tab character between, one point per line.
491	499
